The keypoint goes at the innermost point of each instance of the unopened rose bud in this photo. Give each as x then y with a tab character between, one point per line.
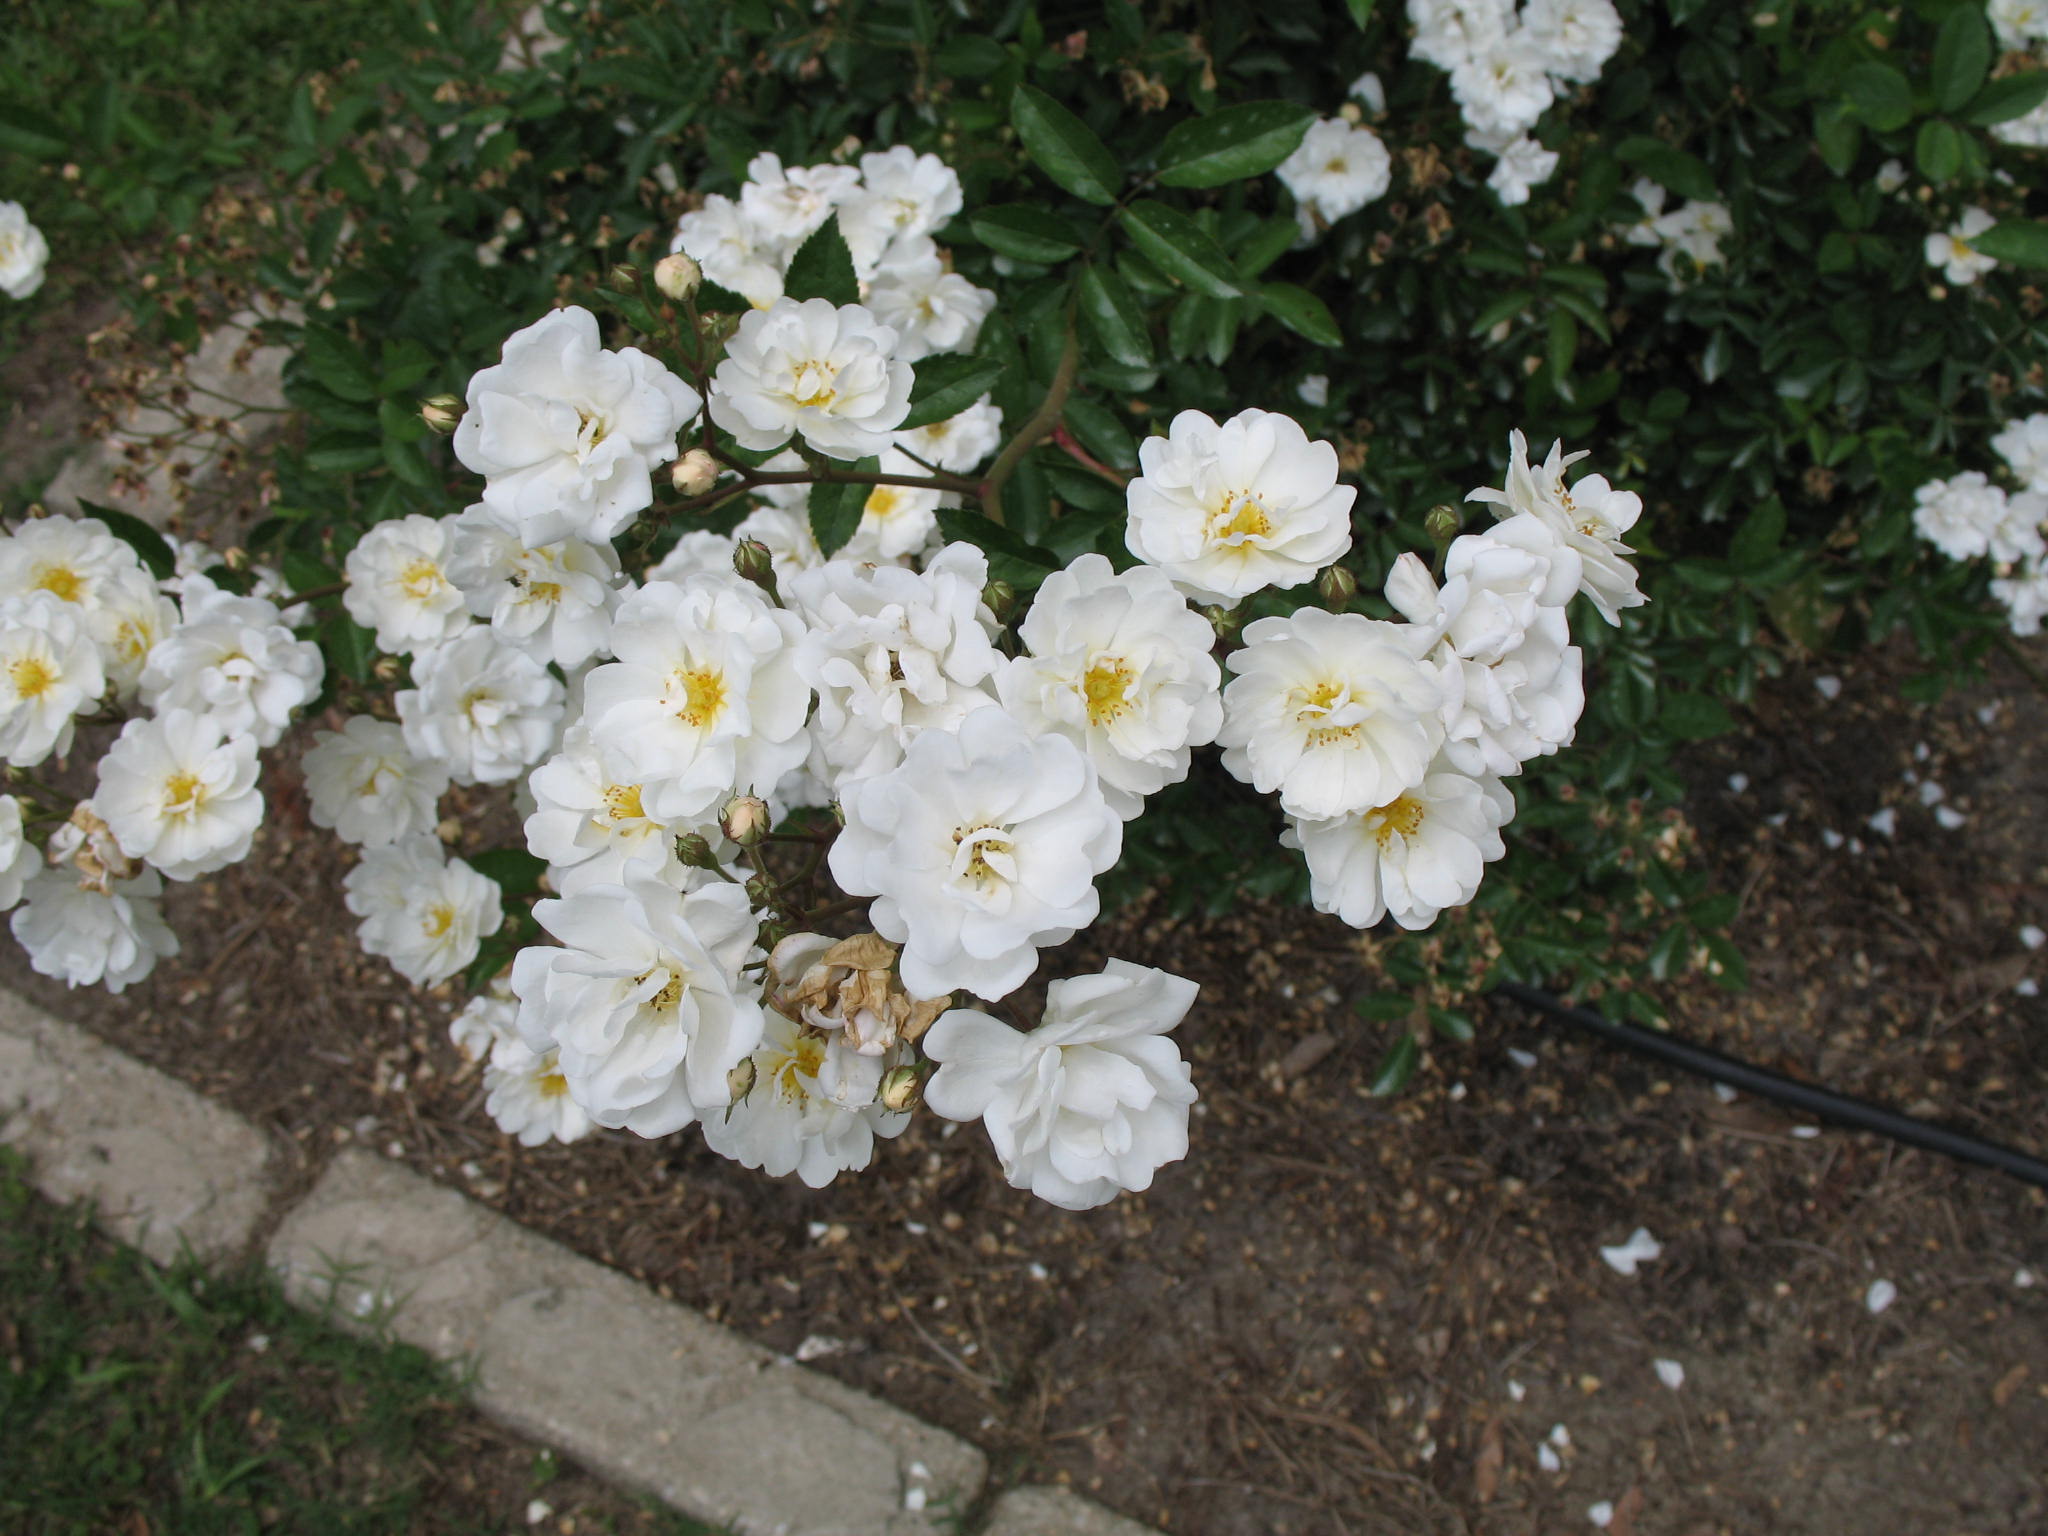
1351	113
677	276
1337	586
901	1089
624	278
441	413
751	559
693	850
745	820
762	890
768	935
1001	598
1442	525
1225	621
694	473
740	1080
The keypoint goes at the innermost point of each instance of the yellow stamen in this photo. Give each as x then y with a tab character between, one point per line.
181	793
812	385
622	803
62	580
32	677
703	696
1242	516
1107	687
440	918
1402	816
421	579
551	1085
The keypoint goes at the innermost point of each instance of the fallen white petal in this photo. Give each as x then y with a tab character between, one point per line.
1523	1059
1949	817
1829	688
1882	1293
1517	1391
1885	821
1547	1459
1830	838
1725	1094
1639	1248
1931	793
538	1510
2033	937
817	1346
1670	1372
1806	1132
1738	782
2028	987
1601	1514
1560	1437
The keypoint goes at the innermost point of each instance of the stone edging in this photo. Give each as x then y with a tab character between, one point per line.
643	1391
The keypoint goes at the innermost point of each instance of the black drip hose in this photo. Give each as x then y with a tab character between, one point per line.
1822	1103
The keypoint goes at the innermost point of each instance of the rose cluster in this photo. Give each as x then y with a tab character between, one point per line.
1969	516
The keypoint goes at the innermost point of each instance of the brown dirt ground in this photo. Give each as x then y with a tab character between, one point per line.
1351	1315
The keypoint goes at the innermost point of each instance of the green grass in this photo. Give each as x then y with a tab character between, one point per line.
137	1400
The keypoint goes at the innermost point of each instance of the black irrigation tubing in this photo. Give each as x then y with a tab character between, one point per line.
1825	1103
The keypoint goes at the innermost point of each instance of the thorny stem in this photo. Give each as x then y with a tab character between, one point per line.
1042	422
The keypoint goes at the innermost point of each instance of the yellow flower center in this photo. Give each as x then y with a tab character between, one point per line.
182	794
812	385
883	501
1402	816
1324	701
551	1085
1242	516
62	580
983	856
544	591
622	803
421	579
440	918
703	692
1107	687
787	1069
32	677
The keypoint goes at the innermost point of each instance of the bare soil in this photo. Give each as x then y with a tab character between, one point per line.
1345	1314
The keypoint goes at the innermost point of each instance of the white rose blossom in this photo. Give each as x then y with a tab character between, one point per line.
490	1016
1448	31
424	912
486	710
24	253
788	204
1573	38
132	620
646	1000
959	443
732	252
50	670
828	375
1229	510
1337	169
1503	86
1092	1102
2025	596
1959	516
19	858
1412	857
700	552
554	602
902	196
84	932
1337	712
2024	447
567	434
527	1096
1588	518
399	584
181	793
1950	249
594	830
981	848
811	1110
1121	665
929	308
366	786
233	659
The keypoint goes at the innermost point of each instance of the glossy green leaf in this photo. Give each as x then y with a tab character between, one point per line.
1670	167
1695	716
2017	242
822	268
1938	151
946	386
149	545
338	364
1115	317
1396	1067
1064	147
516	871
836	509
1178	247
2006	98
1025	232
1245	140
1962	57
1302	313
1880	96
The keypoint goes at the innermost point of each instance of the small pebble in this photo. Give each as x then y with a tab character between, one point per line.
1517	1391
1830	838
2023	1278
817	1230
538	1510
1931	793
1560	1437
1314	390
1670	1372
1922	752
1725	1094
1986	713
1882	1293
1456	1092
1829	688
2028	987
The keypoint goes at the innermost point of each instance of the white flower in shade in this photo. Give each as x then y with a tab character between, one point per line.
49	670
930	309
1523	165
811	1110
893	652
788	204
19	858
80	932
896	520
566	434
181	793
1651	197
399	584
1412	857
1588	518
705	699
133	618
646	1001
1368	91
1333	710
902	196
826	374
1694	231
700	552
1122	666
486	710
2029	130
1961	263
1314	390
593	830
2025	596
1891	176
233	660
1337	169
489	1017
74	559
732	252
1502	87
2024	446
421	910
792	543
526	1094
1229	510
2018	23
364	785
982	848
959	443
2017	535
1448	31
554	602
1573	38
1092	1102
24	253
1959	516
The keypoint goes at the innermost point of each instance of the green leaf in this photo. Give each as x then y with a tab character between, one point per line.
345	461
1760	534
1695	716
1010	558
1880	96
407	462
2004	99
1115	317
1267	244
2018	242
32	134
1668	166
1025	232
1938	151
1962	57
945	386
350	649
970	55
1064	147
1839	133
338	364
836	509
1302	313
1240	141
1383	1007
1177	245
1564	344
148	544
516	871
1096	427
822	268
1396	1067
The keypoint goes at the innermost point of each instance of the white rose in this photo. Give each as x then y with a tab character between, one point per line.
421	910
811	370
1337	169
19	858
487	711
399	586
930	309
181	793
23	252
366	787
811	1110
50	670
554	602
1589	519
234	660
81	932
